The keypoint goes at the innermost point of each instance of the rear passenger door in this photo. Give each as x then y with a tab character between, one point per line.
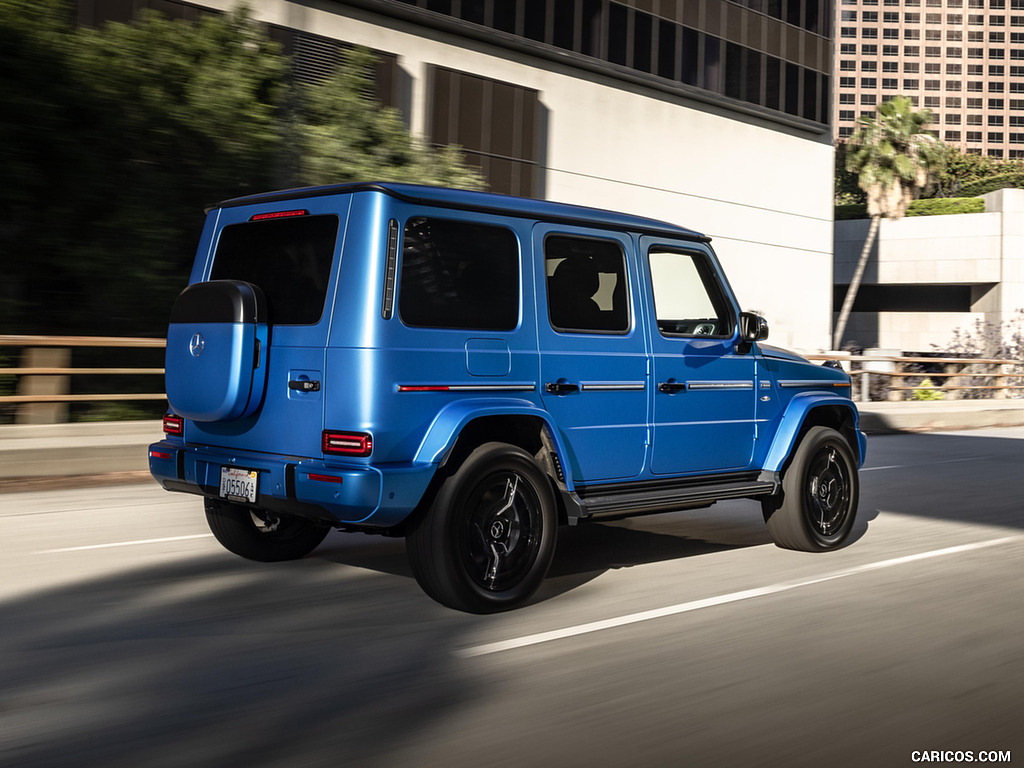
593	358
703	386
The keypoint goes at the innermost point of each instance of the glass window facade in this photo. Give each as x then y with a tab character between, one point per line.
732	49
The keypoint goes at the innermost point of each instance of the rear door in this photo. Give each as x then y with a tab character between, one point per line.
290	250
593	357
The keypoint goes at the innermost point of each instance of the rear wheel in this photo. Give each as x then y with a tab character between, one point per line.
260	535
818	503
487	540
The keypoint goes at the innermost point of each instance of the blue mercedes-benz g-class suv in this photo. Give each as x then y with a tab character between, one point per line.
471	370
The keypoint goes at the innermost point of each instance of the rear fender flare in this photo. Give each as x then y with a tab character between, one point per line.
451	420
800	408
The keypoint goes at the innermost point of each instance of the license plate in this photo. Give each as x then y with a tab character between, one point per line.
239	484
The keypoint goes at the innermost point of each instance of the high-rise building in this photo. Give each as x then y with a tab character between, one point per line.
962	59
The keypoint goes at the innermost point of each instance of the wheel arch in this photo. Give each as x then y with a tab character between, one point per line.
815	410
465	425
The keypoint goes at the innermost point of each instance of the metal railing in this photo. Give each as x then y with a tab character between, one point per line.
875	378
931	378
43	375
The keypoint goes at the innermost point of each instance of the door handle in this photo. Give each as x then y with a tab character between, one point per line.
672	386
561	387
304	385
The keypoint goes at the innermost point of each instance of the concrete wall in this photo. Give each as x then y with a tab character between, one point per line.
760	190
982	250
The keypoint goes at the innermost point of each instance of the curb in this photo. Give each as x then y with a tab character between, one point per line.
887	418
94	448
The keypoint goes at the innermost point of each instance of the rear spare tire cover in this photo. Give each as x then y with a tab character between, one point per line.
216	349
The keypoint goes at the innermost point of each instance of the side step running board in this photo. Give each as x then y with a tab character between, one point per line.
603	502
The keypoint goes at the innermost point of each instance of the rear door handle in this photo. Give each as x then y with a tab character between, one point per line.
561	387
304	385
672	386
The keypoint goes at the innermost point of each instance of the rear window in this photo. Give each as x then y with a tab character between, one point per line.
457	274
290	259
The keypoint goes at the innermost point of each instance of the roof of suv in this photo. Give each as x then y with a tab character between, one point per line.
487	202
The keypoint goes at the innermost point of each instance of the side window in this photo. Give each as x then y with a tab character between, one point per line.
586	281
459	274
688	299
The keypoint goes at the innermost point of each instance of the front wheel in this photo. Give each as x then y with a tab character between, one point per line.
486	541
260	535
818	502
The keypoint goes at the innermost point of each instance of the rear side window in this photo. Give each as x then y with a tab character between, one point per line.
290	259
586	281
458	274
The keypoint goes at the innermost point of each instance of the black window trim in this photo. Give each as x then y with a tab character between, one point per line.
403	222
630	314
707	270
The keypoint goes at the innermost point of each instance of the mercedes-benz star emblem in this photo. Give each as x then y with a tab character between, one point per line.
195	346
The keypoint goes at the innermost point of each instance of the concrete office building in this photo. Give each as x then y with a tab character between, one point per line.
712	114
963	59
931	275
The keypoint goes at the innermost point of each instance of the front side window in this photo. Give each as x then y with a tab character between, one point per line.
586	285
288	258
459	275
688	298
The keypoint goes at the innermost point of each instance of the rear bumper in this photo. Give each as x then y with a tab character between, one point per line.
374	497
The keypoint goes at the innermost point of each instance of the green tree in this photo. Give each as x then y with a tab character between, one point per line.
894	159
346	136
112	141
133	130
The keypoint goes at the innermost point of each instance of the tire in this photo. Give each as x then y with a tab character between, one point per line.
261	535
487	539
820	490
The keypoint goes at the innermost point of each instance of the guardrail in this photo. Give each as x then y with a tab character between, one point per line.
931	378
43	376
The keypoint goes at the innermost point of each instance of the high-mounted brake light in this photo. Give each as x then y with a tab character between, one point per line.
358	444
174	425
278	215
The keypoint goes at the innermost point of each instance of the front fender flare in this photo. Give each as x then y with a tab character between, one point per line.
794	418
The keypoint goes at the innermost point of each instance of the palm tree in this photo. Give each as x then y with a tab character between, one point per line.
894	159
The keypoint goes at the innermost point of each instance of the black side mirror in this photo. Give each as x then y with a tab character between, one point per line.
752	328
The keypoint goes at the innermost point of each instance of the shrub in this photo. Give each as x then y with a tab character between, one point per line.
946	206
1011	179
936	206
927	391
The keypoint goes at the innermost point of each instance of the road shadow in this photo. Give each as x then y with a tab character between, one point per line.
585	552
217	661
960	477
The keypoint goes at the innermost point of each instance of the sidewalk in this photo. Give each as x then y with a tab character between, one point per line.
117	450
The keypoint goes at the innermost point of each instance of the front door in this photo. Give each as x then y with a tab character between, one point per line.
703	386
593	357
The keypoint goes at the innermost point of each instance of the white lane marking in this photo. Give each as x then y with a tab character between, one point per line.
123	544
929	464
733	597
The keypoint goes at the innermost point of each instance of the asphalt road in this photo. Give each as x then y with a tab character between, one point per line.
129	638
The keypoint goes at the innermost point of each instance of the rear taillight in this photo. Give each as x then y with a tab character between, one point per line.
358	444
174	425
